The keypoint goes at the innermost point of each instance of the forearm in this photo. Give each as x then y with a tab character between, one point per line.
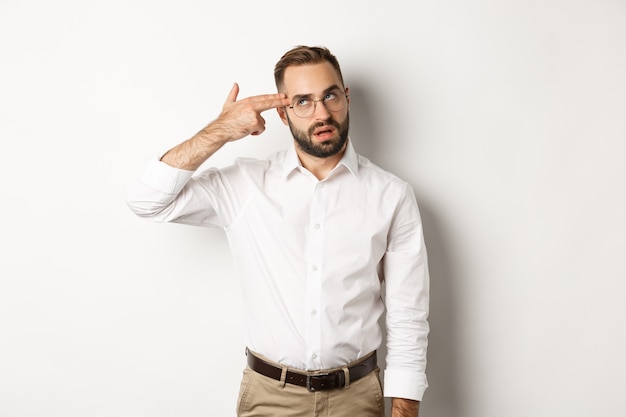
401	407
193	152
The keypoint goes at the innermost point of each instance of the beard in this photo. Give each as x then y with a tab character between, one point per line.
325	149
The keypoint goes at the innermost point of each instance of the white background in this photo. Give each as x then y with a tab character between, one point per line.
507	117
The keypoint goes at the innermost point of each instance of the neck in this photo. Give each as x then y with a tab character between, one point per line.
320	167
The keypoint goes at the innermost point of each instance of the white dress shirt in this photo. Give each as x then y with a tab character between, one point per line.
311	256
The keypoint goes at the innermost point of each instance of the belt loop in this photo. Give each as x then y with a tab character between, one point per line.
283	378
346	373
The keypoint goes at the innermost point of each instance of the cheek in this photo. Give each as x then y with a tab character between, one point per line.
300	125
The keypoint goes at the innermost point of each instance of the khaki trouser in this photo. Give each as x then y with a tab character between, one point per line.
260	396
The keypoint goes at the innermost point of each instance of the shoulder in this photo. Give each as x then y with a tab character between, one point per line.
369	171
386	186
244	167
273	161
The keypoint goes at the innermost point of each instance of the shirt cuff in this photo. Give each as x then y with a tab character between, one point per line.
401	383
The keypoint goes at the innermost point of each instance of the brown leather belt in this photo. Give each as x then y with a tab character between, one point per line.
314	380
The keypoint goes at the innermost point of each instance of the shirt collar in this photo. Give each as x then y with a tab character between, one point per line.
349	160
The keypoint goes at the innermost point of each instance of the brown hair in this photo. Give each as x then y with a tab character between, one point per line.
304	55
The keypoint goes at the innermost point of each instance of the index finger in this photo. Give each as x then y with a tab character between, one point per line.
269	101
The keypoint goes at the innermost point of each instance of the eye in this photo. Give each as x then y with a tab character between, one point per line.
331	96
302	102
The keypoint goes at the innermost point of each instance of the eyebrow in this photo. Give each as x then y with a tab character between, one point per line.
328	90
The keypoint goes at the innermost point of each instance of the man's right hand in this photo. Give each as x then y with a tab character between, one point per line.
242	118
238	119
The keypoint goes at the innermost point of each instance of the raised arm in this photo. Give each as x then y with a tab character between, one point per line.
238	119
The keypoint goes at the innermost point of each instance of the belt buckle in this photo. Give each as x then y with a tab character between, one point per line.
310	378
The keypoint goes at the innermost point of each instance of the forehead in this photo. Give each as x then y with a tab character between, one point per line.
310	79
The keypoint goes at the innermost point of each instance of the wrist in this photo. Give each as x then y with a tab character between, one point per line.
402	407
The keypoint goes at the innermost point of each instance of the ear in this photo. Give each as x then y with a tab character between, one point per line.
282	112
348	95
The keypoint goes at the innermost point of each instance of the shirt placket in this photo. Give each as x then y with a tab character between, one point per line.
315	274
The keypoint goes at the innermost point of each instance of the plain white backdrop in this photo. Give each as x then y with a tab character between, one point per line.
508	118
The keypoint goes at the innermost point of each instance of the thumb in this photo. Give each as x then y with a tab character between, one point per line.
232	96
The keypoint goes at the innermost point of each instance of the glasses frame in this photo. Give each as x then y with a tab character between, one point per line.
339	92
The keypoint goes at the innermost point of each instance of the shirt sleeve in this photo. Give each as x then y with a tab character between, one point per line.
405	268
168	194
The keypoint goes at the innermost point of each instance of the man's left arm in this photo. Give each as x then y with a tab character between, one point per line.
405	269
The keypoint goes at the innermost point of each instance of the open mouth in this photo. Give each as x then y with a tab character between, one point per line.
324	132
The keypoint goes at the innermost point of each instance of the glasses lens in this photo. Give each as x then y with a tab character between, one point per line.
335	100
303	107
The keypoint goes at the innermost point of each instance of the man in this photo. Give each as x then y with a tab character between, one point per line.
315	230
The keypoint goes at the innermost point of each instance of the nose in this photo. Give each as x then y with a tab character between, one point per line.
320	112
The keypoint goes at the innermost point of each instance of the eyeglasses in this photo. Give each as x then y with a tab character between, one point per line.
304	106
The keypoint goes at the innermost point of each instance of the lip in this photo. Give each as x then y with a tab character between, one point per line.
324	130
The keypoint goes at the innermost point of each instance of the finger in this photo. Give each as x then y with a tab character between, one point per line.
261	128
232	95
269	101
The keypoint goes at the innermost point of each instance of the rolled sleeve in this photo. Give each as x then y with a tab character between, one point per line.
401	383
158	187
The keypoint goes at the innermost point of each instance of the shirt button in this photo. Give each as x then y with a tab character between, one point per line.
317	225
314	356
314	268
313	312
